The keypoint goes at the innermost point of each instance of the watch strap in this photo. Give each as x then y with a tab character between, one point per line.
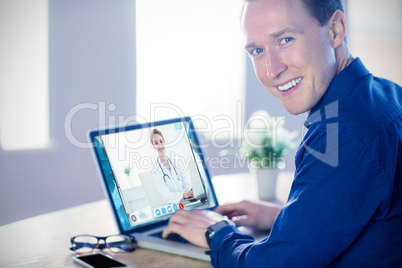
211	230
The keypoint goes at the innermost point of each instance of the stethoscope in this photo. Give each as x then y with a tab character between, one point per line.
164	174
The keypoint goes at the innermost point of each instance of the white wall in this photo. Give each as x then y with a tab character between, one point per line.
91	60
375	33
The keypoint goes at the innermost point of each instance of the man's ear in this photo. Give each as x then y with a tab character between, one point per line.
337	27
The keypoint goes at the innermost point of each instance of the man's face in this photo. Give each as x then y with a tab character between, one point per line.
292	54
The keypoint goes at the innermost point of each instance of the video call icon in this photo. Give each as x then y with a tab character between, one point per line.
166	209
163	210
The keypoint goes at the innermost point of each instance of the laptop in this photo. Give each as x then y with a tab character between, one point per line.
141	189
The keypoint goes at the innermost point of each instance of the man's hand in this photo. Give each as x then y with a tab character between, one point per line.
192	225
260	215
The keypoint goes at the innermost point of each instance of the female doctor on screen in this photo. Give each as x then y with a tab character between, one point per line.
171	183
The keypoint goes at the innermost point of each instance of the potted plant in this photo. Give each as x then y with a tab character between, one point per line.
127	171
265	144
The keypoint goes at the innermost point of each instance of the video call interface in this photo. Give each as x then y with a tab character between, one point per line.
151	172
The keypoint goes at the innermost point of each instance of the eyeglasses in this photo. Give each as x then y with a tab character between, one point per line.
115	243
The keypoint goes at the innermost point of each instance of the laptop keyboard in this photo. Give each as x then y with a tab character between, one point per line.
171	236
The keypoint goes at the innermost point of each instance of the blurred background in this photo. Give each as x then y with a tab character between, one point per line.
68	66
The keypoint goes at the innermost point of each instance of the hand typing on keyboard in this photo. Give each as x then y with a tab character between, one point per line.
171	236
192	225
176	237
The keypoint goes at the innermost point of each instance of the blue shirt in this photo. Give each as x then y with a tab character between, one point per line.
345	203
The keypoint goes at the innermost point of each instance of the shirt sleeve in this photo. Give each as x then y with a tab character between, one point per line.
336	191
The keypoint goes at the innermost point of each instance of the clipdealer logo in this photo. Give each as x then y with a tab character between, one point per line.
331	155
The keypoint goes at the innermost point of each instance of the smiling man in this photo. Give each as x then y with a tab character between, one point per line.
345	204
295	57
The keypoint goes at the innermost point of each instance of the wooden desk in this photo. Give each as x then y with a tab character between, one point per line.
44	241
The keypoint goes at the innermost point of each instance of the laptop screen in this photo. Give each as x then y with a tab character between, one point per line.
151	170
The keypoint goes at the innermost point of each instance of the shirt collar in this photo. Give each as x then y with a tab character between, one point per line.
341	86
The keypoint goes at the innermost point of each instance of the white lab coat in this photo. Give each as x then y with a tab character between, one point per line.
176	183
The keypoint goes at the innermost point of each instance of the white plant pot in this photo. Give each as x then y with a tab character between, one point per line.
266	181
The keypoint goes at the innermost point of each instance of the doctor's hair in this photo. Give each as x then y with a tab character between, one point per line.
321	10
153	132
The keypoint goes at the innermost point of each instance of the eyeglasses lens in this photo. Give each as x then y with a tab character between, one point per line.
85	243
119	243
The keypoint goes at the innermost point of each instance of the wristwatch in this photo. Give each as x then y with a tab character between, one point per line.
211	230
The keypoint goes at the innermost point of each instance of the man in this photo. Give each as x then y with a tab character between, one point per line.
345	204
